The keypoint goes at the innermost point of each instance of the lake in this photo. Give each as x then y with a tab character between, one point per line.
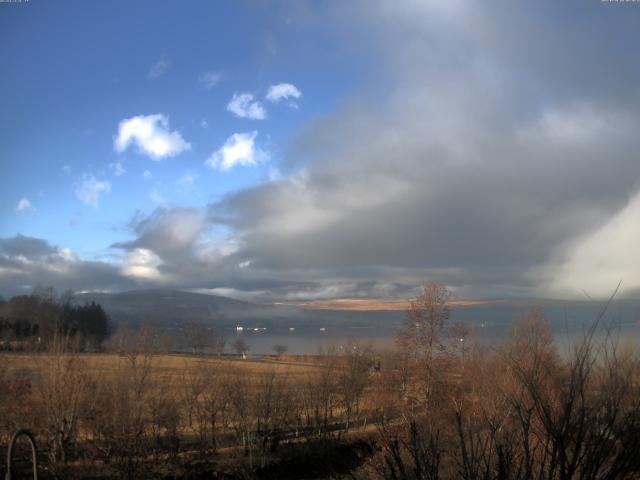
490	324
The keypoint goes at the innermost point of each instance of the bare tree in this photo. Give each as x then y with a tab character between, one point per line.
237	388
279	349
425	329
64	394
424	337
193	387
320	396
241	347
353	378
120	426
271	409
198	337
211	406
218	342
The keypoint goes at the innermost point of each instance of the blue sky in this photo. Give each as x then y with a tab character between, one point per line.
75	70
294	150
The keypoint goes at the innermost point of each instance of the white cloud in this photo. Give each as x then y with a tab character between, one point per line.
143	264
117	168
151	135
239	149
23	204
244	105
89	189
187	179
597	261
156	197
211	251
147	175
283	91
248	296
159	68
209	79
66	169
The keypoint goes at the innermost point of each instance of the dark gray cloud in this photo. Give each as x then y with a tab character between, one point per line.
168	232
506	134
27	262
21	245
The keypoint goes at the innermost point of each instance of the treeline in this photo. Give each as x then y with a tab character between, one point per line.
33	321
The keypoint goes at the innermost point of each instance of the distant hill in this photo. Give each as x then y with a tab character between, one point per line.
173	308
164	307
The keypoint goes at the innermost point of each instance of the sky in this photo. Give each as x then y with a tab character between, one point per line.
304	150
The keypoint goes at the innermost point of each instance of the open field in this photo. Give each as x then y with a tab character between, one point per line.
167	367
125	412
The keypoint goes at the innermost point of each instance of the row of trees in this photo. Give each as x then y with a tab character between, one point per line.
32	321
35	320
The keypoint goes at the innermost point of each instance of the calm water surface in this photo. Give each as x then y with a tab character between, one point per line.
489	324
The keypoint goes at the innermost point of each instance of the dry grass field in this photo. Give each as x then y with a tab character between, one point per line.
136	414
170	368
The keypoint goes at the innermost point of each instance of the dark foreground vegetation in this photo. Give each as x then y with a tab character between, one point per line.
32	322
438	406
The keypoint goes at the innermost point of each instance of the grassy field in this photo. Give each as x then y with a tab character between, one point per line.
166	371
